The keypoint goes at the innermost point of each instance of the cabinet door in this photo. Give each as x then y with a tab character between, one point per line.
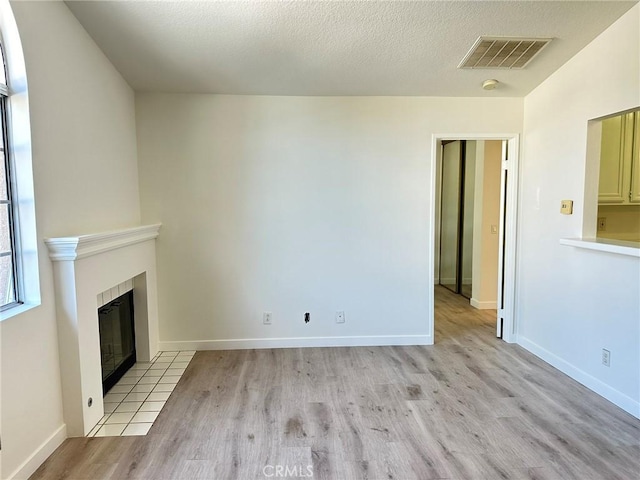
635	161
611	188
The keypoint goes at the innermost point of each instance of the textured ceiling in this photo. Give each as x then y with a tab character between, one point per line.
332	47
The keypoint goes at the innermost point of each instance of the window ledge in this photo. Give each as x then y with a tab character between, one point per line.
17	310
619	247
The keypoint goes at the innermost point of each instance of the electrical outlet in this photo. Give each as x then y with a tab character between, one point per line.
307	317
606	357
266	318
602	224
339	317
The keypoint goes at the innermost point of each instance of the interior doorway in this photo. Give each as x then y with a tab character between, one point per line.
464	222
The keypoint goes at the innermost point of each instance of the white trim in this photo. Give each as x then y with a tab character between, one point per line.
74	248
619	247
478	212
513	144
510	326
37	458
295	342
623	401
482	305
437	212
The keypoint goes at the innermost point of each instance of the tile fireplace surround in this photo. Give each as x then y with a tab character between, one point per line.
84	267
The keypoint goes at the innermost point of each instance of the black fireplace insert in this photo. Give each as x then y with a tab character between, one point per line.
117	339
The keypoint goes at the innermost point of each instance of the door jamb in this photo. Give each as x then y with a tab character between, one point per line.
509	331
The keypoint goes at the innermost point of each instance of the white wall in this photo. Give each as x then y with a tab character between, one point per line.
574	302
295	204
486	214
84	162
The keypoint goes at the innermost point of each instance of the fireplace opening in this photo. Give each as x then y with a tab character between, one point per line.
117	339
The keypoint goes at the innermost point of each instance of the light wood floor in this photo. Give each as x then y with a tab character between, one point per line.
470	407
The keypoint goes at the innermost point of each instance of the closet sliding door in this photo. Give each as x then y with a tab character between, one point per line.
450	214
456	215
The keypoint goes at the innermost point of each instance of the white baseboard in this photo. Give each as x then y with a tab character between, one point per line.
37	458
295	342
623	401
482	305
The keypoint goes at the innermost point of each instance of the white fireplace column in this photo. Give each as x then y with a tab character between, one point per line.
85	266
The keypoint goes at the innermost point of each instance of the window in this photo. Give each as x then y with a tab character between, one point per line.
8	259
19	277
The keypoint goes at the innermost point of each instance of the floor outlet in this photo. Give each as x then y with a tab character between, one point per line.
266	318
606	357
339	317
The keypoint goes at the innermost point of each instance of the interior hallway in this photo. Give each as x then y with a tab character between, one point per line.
469	407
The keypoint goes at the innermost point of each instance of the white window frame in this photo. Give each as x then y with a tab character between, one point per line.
19	154
14	289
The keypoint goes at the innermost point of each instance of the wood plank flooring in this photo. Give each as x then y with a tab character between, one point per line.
469	407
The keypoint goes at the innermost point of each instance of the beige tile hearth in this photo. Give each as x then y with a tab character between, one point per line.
134	403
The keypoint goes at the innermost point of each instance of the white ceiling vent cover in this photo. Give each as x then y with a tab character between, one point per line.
503	52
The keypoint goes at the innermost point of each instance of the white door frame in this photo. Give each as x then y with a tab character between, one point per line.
509	332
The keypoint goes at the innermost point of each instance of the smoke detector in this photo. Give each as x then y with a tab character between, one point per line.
490	84
503	52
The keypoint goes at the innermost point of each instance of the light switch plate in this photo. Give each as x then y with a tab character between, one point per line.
566	207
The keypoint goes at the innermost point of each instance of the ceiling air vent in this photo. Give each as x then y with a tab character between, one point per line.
503	52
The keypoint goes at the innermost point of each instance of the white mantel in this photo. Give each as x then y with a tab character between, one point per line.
81	246
85	266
